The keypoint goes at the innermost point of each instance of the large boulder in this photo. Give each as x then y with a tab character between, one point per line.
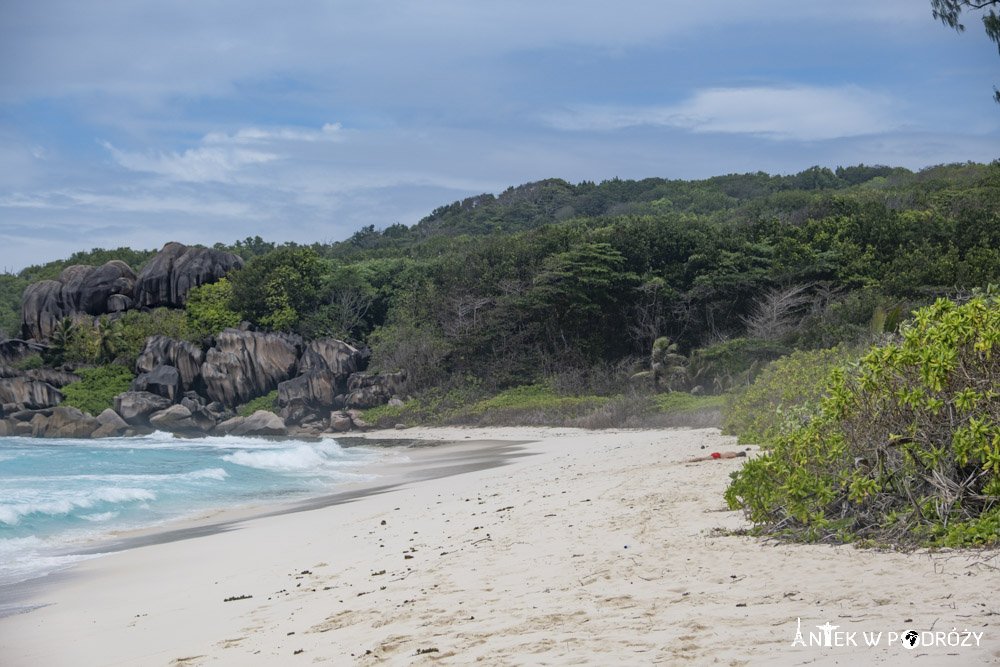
135	407
261	422
163	381
369	391
308	395
247	364
168	278
176	419
110	424
324	368
78	293
28	393
43	305
329	354
186	357
64	422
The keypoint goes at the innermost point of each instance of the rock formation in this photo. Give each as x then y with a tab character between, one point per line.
14	350
84	292
170	275
368	391
162	351
27	394
163	381
246	364
79	292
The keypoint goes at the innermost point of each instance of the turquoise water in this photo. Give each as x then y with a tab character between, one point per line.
57	494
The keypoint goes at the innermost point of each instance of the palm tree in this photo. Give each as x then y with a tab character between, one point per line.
109	340
62	338
665	364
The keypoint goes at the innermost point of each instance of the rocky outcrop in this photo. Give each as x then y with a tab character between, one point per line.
14	350
324	370
179	419
260	422
56	378
168	278
64	422
135	407
309	394
28	393
79	292
184	356
110	425
163	381
368	391
329	354
247	364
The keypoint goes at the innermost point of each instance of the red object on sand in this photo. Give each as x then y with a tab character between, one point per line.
716	455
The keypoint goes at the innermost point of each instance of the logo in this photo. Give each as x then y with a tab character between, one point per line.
828	637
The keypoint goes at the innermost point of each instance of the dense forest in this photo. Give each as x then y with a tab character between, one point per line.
552	279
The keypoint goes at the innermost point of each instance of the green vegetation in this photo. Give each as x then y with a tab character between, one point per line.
544	405
96	392
904	450
785	396
208	307
268	402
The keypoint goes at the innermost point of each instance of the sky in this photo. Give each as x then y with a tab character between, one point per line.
135	123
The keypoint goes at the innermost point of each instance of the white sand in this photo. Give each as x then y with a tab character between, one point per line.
597	549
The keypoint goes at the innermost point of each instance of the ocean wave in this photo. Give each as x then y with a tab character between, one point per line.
218	474
314	457
11	514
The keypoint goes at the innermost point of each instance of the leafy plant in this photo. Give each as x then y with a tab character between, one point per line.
208	309
786	395
905	449
96	392
268	402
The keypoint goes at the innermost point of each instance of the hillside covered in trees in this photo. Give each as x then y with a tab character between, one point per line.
574	283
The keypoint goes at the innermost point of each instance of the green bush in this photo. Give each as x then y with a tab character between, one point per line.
208	307
785	396
906	448
267	402
31	362
136	326
97	391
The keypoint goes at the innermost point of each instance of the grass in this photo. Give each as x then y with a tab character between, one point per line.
541	405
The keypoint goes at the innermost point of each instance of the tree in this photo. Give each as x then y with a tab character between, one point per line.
208	307
109	340
949	12
62	339
665	364
278	289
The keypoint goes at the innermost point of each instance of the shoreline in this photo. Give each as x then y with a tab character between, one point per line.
583	547
422	462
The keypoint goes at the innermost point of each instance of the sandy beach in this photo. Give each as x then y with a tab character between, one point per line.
512	546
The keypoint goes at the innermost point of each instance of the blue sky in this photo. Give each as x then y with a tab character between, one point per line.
127	122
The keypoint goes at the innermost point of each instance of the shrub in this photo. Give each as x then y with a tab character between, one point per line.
905	450
137	326
785	396
31	362
97	391
267	402
208	307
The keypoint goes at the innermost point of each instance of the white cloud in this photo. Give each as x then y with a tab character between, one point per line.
802	113
200	165
259	135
